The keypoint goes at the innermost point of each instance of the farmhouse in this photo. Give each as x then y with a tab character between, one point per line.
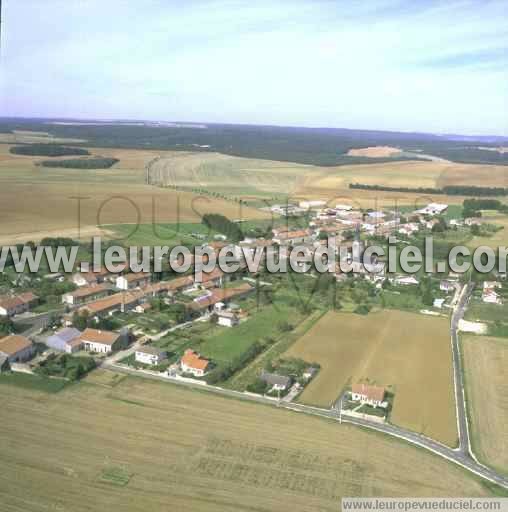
16	349
277	382
86	293
65	340
193	363
95	340
133	280
17	304
150	355
370	395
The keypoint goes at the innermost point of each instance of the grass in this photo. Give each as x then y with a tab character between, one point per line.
32	382
226	344
196	452
407	353
485	362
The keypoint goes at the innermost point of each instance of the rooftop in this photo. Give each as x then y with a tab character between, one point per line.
13	344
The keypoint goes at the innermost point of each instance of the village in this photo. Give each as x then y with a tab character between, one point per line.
146	323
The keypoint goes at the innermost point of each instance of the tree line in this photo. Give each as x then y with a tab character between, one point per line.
81	163
44	149
450	190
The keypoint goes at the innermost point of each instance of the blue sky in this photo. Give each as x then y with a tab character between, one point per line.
379	64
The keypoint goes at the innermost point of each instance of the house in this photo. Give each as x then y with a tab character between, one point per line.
95	340
133	280
123	301
277	382
90	278
16	349
438	303
473	221
193	363
11	305
300	236
65	340
150	355
86	293
433	209
142	308
309	372
446	286
367	394
312	204
489	294
227	319
212	297
405	280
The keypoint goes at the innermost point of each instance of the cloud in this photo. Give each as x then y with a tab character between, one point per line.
384	64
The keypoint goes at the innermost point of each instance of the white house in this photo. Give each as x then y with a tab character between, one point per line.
150	355
95	340
405	280
193	363
133	280
433	209
227	319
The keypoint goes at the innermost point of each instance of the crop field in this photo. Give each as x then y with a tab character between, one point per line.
130	444
36	202
485	363
497	239
408	353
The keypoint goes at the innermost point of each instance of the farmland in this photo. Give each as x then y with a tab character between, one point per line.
408	353
486	360
109	196
124	443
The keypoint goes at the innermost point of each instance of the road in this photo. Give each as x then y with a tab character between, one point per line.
458	373
462	455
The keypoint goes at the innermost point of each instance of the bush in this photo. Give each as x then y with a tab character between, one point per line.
47	150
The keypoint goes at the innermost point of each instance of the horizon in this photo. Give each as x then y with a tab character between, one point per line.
390	66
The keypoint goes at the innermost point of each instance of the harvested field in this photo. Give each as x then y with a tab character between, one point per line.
138	445
35	199
374	152
485	362
409	353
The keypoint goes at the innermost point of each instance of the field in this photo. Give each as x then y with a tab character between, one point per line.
122	443
498	239
486	360
408	352
37	201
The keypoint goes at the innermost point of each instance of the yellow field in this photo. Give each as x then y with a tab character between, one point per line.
38	201
409	353
486	360
498	239
135	445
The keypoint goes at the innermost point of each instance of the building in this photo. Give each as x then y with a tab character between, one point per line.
300	236
433	209
277	382
405	280
489	294
95	340
193	363
370	395
227	319
65	340
90	278
133	280
312	204
85	294
438	303
123	301
11	305
446	286
17	349
150	355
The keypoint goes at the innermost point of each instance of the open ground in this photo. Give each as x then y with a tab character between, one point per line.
486	360
408	353
131	444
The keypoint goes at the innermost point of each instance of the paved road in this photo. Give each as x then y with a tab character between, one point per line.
455	456
458	373
462	455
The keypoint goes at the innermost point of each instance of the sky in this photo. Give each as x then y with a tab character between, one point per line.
439	67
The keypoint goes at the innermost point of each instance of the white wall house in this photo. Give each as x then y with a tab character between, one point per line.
150	355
